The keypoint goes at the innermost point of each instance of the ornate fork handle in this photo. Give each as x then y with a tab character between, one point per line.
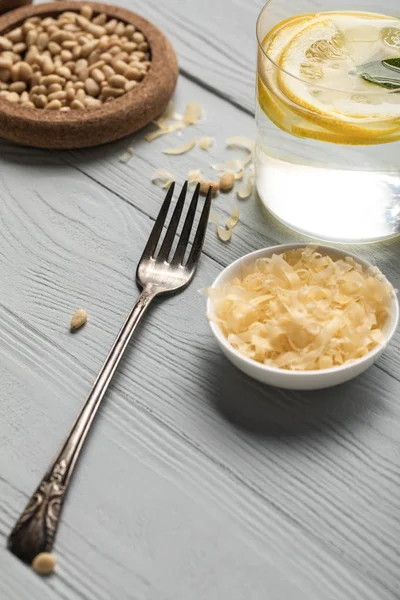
36	529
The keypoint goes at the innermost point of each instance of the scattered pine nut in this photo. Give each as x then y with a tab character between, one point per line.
44	563
227	181
205	186
79	318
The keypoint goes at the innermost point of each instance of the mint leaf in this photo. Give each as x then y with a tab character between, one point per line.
392	63
385	73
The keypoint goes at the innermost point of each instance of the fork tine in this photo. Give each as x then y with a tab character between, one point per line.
159	224
187	228
200	233
173	226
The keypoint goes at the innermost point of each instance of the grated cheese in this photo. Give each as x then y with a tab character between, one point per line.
244	144
127	155
246	191
194	176
162	178
205	143
181	149
192	113
301	310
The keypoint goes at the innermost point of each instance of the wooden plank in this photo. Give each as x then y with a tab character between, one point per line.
205	494
298	491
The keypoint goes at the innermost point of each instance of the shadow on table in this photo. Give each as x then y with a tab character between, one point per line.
266	410
31	157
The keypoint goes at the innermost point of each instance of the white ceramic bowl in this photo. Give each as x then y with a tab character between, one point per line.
297	380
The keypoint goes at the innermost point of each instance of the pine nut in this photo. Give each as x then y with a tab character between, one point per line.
227	181
97	65
40	101
119	66
42	41
25	71
110	26
117	81
133	74
91	87
81	95
108	71
54	87
63	72
49	79
98	75
43	563
5	63
15	36
47	66
81	64
77	105
51	62
88	48
18	86
138	37
54	105
87	12
19	48
96	30
57	96
76	52
205	186
54	48
130	85
66	55
120	29
129	31
15	72
109	91
13	97
100	19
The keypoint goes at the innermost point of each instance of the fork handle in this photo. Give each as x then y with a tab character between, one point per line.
36	528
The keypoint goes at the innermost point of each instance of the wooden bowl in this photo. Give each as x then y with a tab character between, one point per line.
6	5
112	121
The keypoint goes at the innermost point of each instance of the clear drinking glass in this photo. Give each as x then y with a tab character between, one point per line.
328	143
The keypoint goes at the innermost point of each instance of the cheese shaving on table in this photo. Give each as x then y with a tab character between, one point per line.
205	143
194	176
162	178
235	165
246	191
223	233
214	218
149	137
242	143
127	155
233	220
181	149
301	311
168	114
192	113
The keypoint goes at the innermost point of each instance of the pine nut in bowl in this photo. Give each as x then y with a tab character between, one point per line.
302	317
77	74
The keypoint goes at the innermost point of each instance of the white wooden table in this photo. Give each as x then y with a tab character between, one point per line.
196	483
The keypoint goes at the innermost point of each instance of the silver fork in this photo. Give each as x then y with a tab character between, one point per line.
156	274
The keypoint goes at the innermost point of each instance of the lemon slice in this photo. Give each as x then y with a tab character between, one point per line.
326	54
317	88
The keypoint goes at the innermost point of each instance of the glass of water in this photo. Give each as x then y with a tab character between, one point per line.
328	118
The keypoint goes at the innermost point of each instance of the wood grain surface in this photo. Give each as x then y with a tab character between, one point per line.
196	481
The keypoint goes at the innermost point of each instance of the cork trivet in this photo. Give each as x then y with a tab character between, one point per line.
6	5
112	121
